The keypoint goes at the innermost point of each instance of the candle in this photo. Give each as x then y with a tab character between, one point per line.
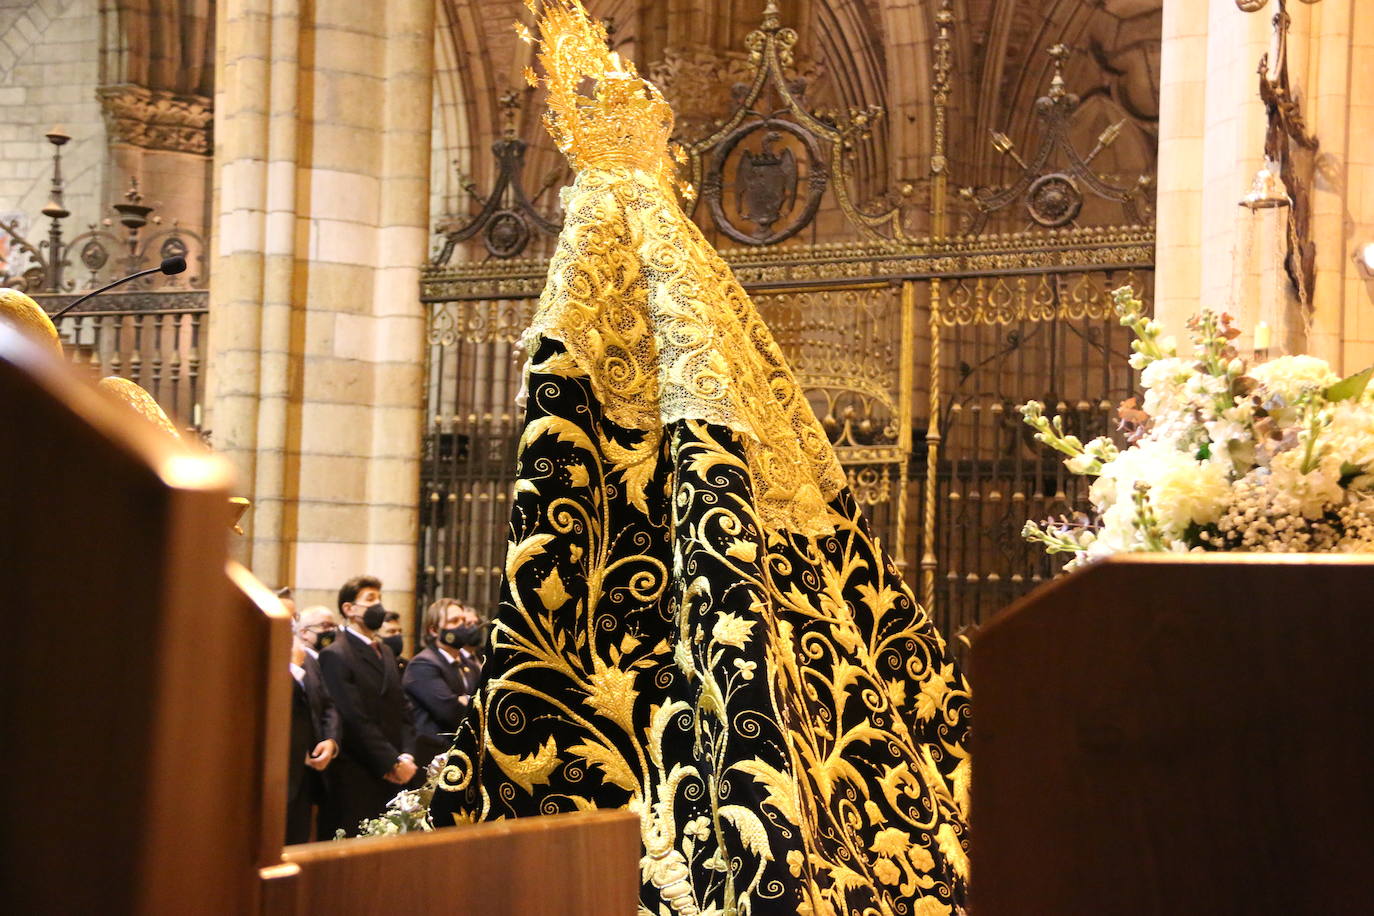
195	415
1262	336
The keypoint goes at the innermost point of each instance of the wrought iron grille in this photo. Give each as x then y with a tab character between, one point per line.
1046	336
915	353
153	337
845	343
468	457
850	348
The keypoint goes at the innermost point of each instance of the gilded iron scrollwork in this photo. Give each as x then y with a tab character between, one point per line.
1053	195
508	219
768	186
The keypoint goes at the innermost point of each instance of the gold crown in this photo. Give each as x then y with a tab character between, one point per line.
626	121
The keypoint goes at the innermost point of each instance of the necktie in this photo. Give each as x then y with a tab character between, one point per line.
377	646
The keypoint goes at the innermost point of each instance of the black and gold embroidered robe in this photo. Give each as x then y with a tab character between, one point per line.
695	621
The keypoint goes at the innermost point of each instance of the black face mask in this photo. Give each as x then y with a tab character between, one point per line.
324	639
374	617
394	643
455	637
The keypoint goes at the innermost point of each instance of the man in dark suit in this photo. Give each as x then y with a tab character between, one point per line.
378	736
393	635
316	733
440	680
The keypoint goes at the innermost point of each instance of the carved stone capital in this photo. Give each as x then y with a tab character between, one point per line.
156	119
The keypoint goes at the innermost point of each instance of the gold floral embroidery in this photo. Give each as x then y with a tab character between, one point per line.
775	707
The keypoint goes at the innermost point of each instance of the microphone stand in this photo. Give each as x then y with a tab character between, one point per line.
168	266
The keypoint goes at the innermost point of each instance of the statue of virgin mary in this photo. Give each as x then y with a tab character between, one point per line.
695	621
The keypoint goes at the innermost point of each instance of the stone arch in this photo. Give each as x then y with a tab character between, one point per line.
1001	68
157	88
164	45
478	61
850	42
907	32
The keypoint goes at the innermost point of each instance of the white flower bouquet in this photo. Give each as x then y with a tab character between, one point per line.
1220	455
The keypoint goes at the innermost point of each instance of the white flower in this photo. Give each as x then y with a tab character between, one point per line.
1080	464
1313	493
1118	533
1289	376
1231	424
1203	388
1187	491
1233	437
1164	381
1351	435
1163	372
1119	475
1183	490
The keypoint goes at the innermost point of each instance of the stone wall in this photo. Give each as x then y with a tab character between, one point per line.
49	70
1212	252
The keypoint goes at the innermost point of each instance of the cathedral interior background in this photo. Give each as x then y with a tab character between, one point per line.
929	199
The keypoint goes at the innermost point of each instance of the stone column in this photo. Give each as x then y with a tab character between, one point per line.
1211	143
1178	225
316	338
1340	65
1212	125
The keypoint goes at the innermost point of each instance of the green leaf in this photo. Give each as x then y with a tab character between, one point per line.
1349	472
1349	388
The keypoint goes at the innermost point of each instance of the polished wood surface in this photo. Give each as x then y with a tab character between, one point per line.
148	702
1162	735
267	695
582	864
133	680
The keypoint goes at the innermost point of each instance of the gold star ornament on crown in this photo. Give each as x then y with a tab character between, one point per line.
624	123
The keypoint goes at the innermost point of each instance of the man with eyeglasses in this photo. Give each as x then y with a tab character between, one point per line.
316	730
317	629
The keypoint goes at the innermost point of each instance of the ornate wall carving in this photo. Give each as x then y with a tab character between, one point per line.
1001	68
699	84
157	119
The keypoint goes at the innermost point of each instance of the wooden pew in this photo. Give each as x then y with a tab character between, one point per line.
145	734
565	863
1167	735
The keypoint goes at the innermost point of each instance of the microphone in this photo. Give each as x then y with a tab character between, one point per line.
169	266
